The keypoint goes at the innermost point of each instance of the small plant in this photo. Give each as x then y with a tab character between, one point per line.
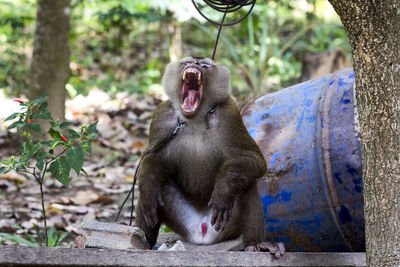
54	151
54	237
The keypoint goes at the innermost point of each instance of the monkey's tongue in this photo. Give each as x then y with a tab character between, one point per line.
193	97
191	102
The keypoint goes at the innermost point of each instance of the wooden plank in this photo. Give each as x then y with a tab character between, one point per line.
42	256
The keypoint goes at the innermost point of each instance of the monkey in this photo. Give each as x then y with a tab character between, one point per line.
202	183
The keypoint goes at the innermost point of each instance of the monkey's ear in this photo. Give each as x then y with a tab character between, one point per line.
171	80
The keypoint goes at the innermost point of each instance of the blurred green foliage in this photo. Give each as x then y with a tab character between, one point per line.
123	45
16	41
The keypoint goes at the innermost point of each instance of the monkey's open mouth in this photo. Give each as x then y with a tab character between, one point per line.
191	91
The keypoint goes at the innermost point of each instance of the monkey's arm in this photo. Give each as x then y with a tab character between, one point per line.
154	169
152	173
243	164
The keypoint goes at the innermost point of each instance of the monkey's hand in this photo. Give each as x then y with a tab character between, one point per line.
150	208
221	211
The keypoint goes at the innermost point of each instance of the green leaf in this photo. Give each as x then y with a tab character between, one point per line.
92	127
61	236
29	150
64	163
12	116
40	165
20	167
5	162
76	157
92	136
73	134
43	107
7	170
17	239
31	238
65	124
83	170
87	146
54	168
17	124
2	170
52	237
40	158
35	149
51	242
39	100
45	115
17	226
34	127
54	134
60	169
39	235
53	124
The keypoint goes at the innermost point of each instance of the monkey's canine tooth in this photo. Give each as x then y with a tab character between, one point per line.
184	77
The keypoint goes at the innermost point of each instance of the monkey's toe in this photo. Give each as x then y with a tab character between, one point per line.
276	249
251	249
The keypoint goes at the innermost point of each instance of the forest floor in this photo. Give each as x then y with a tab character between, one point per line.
121	137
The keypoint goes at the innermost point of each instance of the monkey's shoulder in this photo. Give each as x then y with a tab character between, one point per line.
229	114
163	121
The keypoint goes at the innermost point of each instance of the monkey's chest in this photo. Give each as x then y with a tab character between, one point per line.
198	158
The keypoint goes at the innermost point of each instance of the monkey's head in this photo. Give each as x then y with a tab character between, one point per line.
194	84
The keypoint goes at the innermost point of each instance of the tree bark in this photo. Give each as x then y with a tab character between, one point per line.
50	60
373	28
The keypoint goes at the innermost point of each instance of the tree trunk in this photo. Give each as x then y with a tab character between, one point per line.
373	28
50	60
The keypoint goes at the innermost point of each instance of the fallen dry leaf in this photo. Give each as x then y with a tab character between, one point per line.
13	177
104	199
85	197
79	242
53	210
73	209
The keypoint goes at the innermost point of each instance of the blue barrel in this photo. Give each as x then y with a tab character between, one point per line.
312	194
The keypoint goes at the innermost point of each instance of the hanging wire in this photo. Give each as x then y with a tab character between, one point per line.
224	6
154	149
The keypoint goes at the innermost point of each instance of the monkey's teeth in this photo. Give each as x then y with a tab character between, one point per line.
184	105
194	71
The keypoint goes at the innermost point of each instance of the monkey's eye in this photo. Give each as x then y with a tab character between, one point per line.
206	65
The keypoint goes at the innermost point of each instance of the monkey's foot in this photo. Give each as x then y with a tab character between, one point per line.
276	249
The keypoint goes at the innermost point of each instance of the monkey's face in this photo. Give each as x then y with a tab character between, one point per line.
191	88
194	83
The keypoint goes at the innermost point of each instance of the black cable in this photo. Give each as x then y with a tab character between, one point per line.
224	6
216	40
154	149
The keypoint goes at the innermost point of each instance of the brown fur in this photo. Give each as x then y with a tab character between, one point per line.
212	162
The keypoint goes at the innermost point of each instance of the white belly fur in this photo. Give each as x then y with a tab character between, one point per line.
193	219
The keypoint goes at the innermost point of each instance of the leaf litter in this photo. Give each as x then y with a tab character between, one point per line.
122	134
